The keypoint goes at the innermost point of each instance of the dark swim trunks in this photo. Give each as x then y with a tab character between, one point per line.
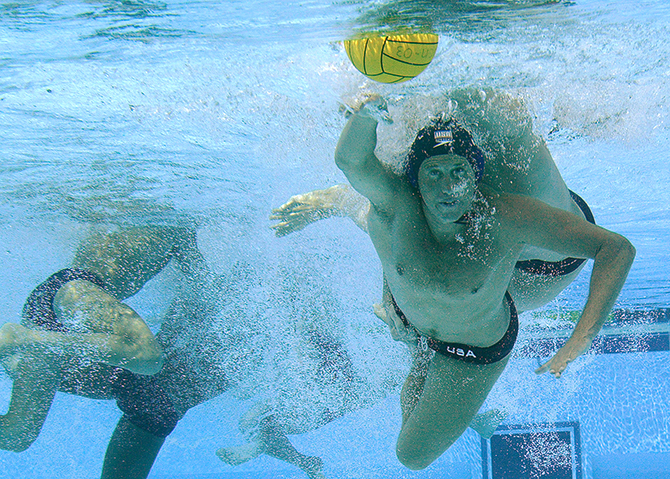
140	397
154	404
38	309
473	354
189	377
558	268
145	403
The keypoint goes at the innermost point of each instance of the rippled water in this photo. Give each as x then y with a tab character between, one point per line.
168	111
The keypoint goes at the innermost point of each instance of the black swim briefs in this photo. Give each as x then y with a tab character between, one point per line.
156	403
473	354
558	268
145	403
38	309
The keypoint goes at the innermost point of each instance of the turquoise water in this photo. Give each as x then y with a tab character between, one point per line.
212	113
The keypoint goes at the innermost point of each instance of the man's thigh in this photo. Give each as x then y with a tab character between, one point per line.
84	307
452	394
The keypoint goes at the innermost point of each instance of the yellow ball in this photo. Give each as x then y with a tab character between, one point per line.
393	58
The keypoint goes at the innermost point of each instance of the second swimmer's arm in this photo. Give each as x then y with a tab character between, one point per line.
386	312
307	208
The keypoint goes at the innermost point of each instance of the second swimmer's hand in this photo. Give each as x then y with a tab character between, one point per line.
397	329
572	349
371	104
302	210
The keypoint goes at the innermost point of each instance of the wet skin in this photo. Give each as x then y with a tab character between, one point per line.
447	184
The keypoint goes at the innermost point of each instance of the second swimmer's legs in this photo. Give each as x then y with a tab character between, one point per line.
131	452
270	439
100	329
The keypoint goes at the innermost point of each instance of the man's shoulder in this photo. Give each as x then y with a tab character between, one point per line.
403	200
507	208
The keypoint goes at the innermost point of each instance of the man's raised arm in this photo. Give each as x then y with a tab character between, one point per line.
355	156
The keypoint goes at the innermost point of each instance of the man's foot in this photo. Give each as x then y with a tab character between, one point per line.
486	423
236	455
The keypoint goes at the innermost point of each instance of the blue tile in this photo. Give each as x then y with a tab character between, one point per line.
549	451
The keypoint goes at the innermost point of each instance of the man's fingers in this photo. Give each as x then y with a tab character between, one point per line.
282	229
300	208
282	210
287	211
545	367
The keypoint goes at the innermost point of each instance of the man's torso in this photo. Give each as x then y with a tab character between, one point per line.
453	289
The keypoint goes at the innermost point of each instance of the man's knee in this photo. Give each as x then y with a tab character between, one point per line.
419	453
69	296
145	351
412	459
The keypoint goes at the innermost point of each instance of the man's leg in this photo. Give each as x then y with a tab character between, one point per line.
271	440
452	394
33	391
268	436
276	444
131	452
101	329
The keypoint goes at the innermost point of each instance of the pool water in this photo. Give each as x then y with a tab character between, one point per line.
212	113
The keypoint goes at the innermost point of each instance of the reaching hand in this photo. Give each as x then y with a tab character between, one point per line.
572	349
302	210
399	332
372	103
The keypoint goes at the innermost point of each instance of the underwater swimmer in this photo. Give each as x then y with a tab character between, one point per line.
330	389
75	329
467	235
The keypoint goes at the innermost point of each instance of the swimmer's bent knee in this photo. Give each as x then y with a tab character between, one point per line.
418	451
412	458
149	361
145	354
133	343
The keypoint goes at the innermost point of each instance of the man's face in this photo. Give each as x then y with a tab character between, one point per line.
447	185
